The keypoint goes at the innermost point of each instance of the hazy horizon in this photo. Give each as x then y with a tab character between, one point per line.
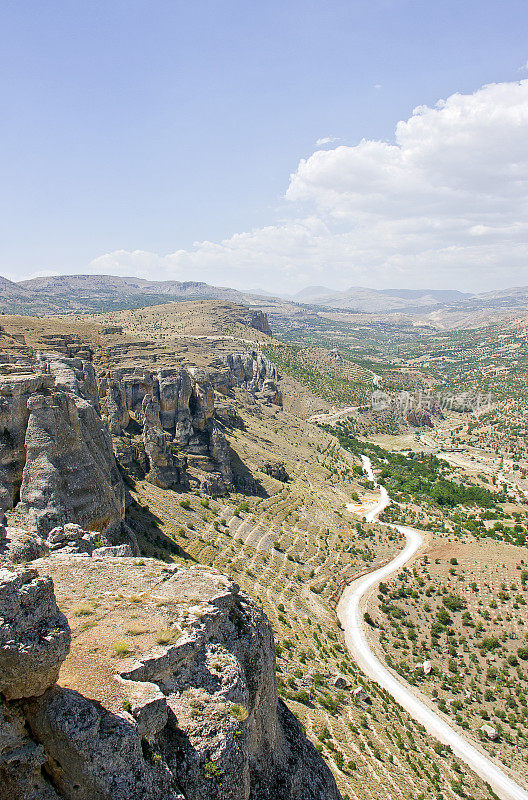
287	295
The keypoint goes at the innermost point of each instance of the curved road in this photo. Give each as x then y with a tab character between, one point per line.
349	612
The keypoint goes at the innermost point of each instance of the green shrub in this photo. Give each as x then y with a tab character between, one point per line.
212	771
122	649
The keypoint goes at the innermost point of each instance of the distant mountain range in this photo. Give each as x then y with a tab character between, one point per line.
92	293
89	293
359	298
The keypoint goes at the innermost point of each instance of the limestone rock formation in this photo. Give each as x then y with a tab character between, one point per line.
166	470
202	722
56	459
175	408
73	375
116	408
419	419
18	546
34	635
93	754
70	472
255	372
58	454
21	760
225	664
15	390
71	538
259	321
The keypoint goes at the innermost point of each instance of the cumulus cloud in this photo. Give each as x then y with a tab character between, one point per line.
445	203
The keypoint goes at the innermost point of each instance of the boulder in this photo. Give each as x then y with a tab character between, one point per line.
490	732
34	634
361	694
339	682
18	546
276	469
213	485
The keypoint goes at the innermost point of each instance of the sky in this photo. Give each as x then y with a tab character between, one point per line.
266	146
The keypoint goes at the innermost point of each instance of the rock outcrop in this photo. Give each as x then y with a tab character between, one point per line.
15	390
277	470
70	472
202	720
34	635
256	373
165	469
175	409
18	546
58	452
259	321
225	665
56	458
419	418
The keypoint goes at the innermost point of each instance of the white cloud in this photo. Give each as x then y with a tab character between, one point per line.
327	140
139	263
445	204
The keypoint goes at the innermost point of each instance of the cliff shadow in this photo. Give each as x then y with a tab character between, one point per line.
151	537
243	479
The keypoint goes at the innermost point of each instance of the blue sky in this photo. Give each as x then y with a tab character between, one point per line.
144	127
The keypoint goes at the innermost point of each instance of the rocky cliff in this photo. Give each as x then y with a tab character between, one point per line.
194	715
56	460
61	453
259	321
256	373
199	719
181	442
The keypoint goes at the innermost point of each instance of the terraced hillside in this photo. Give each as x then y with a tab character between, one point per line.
292	548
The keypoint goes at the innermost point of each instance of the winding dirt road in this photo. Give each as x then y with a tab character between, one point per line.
350	614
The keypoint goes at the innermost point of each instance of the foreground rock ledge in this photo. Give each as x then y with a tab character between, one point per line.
34	635
197	718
